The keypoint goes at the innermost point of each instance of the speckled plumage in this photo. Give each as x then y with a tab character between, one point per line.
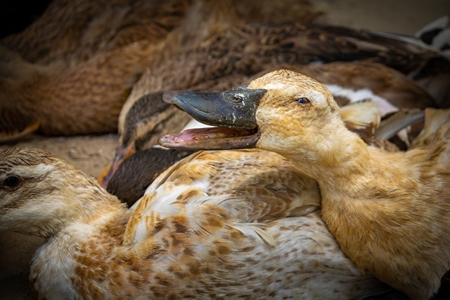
212	226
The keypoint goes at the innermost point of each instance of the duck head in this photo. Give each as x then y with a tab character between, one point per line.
35	196
255	115
141	122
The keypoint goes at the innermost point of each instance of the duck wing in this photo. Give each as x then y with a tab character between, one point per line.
245	189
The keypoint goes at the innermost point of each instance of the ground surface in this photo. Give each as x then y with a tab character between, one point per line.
92	153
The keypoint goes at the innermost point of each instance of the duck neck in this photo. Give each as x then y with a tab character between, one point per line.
80	202
97	228
370	205
95	202
332	161
97	206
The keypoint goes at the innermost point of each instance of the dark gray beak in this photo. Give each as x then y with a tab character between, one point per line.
235	108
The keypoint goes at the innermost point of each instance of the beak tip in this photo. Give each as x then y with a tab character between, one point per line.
169	97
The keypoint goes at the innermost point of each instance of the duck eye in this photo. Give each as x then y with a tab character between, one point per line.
302	100
238	98
11	181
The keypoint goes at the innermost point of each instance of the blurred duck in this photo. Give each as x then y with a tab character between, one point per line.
201	228
71	71
67	74
378	205
249	49
77	30
216	40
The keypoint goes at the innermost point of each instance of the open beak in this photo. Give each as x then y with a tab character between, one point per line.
120	155
232	111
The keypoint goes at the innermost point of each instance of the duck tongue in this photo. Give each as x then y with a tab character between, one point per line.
213	138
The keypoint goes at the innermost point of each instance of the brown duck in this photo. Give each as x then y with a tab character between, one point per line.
71	70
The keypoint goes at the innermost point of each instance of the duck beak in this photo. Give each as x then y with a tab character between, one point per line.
235	108
120	155
233	111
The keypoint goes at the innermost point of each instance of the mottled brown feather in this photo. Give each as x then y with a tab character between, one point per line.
187	237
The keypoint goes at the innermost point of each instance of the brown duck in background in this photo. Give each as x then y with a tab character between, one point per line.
380	206
78	77
80	88
56	100
246	49
73	31
250	49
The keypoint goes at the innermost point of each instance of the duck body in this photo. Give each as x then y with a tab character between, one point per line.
144	166
252	232
411	196
76	31
394	241
67	84
388	211
75	79
74	67
388	231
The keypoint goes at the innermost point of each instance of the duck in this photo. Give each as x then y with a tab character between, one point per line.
80	28
378	205
252	48
61	83
142	121
190	235
43	95
75	31
145	117
70	72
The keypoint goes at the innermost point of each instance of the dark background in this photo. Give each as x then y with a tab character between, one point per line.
15	15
